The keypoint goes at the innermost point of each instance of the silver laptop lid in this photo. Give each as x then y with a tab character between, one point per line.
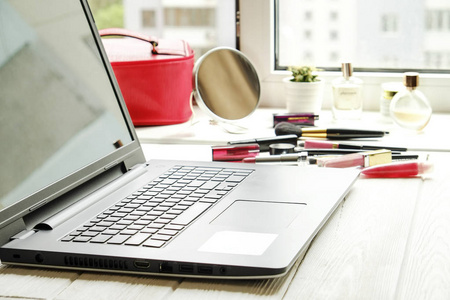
62	118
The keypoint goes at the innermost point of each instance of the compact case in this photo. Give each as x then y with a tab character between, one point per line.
154	75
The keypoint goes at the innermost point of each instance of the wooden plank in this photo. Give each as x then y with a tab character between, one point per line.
21	282
234	289
358	254
426	268
111	286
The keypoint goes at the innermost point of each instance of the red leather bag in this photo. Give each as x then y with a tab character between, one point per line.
154	75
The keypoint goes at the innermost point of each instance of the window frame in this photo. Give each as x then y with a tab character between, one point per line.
256	41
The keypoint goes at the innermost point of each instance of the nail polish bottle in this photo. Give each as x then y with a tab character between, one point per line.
410	108
347	95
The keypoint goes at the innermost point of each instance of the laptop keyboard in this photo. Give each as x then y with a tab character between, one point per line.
159	211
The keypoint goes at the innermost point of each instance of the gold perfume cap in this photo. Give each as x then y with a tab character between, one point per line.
347	70
411	79
390	89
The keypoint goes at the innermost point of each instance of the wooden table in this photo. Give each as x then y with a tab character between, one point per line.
389	239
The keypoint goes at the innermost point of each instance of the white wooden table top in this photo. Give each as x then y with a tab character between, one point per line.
389	239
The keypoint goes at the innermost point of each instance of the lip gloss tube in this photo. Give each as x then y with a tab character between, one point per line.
362	159
234	152
398	170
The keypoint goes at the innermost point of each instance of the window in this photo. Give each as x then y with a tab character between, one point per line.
204	24
438	20
382	38
148	18
389	23
189	17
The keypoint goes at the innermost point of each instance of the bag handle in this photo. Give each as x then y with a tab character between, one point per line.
127	33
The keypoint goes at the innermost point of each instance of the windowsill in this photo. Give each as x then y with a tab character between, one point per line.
202	132
434	86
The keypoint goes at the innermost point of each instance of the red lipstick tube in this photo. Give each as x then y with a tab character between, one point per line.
398	170
234	152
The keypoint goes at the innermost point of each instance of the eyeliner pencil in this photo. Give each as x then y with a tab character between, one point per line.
285	128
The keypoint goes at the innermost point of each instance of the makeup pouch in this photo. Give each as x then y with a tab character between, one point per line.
154	76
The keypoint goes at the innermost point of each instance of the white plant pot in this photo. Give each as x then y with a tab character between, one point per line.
303	96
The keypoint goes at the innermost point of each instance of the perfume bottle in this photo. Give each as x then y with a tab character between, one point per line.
410	108
347	95
388	91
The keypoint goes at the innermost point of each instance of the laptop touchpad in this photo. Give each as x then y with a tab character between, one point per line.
258	215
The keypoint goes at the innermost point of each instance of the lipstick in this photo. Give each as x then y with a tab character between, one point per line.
363	159
398	170
234	152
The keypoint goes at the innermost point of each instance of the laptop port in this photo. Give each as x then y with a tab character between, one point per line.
186	268
142	264
206	270
165	267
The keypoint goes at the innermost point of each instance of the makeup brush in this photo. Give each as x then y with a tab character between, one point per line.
285	128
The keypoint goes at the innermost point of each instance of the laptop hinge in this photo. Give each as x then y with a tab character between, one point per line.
11	230
64	215
23	235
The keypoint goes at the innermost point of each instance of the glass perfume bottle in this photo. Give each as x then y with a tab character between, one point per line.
347	95
410	108
388	91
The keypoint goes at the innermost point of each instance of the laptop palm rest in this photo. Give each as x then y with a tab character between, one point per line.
255	223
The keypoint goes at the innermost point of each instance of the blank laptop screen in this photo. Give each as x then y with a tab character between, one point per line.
57	113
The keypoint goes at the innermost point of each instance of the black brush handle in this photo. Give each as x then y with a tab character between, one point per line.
344	134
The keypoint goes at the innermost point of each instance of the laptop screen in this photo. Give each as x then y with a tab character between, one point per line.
59	111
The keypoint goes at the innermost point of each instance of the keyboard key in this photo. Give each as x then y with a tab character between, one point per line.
137	239
100	238
89	233
174	227
153	243
161	237
128	232
167	232
162	220
67	238
81	239
118	239
135	227
111	232
235	178
98	229
156	225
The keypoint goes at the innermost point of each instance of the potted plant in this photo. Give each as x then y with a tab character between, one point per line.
304	90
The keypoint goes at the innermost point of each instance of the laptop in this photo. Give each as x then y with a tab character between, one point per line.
76	191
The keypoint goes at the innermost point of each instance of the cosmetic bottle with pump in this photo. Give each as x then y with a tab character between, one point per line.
347	95
410	108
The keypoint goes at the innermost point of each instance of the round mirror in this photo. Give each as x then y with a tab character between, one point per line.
226	85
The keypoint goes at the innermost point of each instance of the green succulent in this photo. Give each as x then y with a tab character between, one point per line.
304	74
